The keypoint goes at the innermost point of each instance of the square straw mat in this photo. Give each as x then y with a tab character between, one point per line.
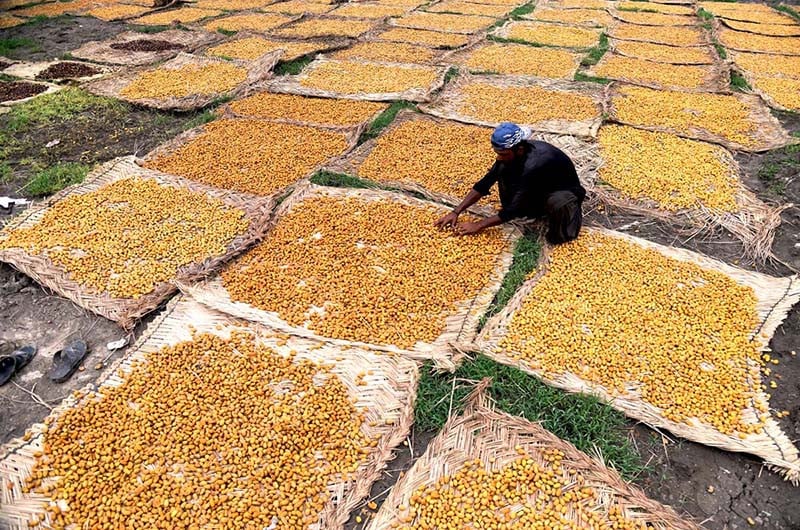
452	103
126	311
387	397
293	84
460	326
775	298
113	86
482	433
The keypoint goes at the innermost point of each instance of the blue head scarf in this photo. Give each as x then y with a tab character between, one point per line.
508	135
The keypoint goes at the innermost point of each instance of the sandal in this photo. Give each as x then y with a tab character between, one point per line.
14	362
66	361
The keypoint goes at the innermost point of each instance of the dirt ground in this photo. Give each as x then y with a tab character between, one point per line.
95	135
718	488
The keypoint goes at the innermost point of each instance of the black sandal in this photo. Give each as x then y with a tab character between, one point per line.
14	362
66	361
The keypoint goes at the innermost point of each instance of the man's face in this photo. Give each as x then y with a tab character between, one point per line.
505	155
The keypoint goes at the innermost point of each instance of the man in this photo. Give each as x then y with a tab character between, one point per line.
535	180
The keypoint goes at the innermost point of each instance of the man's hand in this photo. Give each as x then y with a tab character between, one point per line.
448	221
465	229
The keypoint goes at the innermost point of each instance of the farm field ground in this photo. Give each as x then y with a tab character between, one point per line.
55	140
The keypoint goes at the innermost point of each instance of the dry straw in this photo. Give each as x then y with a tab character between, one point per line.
293	84
126	311
775	298
103	52
715	76
452	102
582	154
114	86
496	439
387	397
767	132
460	326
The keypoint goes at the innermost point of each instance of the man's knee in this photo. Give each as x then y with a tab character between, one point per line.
564	215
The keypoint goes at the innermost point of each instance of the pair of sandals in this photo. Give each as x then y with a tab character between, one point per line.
65	362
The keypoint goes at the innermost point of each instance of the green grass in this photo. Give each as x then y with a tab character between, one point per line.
582	420
13	43
580	76
62	105
294	67
341	180
789	11
526	9
636	9
787	160
526	256
384	119
738	82
723	54
5	172
201	118
495	38
451	74
596	53
57	177
226	32
147	29
705	15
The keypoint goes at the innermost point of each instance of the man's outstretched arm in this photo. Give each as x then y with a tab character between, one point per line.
451	220
464	229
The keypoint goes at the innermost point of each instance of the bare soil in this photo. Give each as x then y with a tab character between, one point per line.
67	70
93	136
54	37
14	90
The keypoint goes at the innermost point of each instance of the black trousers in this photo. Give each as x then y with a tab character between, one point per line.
564	217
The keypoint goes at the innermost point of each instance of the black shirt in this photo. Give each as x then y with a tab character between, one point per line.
525	183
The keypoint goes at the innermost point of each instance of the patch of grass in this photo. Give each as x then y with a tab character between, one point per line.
738	82
582	420
13	43
451	73
723	54
705	15
596	53
384	119
38	19
60	105
294	67
788	10
706	26
5	173
495	38
201	118
227	32
526	256
636	9
526	9
580	76
57	177
67	57
341	180
6	77
149	30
